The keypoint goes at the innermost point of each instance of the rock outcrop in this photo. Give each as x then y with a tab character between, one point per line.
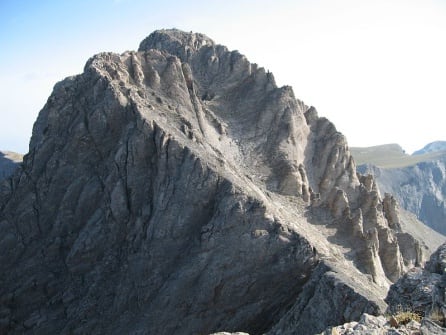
380	325
419	188
423	290
417	304
178	190
9	161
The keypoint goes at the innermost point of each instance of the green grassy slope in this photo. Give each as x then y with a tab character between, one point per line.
390	156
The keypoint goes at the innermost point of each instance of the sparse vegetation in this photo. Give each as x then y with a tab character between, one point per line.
403	318
403	315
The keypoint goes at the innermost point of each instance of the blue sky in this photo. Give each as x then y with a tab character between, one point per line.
377	69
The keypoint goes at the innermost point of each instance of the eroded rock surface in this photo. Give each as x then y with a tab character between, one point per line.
180	181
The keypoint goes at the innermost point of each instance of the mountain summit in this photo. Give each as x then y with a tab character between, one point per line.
178	190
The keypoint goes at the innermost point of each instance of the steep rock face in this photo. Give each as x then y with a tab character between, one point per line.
290	150
136	228
239	104
420	189
9	161
179	180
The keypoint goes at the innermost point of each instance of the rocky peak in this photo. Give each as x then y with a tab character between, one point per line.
176	42
180	180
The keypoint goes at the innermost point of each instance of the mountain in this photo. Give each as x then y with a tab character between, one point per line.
178	190
416	301
431	147
417	182
9	161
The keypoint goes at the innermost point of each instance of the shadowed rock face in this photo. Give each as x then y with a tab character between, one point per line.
178	190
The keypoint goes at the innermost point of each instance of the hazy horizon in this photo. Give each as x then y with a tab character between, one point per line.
377	69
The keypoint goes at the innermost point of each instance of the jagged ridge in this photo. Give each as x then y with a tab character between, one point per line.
170	190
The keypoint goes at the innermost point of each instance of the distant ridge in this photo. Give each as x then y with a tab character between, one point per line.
418	182
393	155
431	147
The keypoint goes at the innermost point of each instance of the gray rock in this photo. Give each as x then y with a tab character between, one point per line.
422	290
419	188
379	325
431	328
178	190
323	302
368	325
437	261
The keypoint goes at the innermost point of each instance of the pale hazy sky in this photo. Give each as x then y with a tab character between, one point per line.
376	68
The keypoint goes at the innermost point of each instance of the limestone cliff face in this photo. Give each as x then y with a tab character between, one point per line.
178	190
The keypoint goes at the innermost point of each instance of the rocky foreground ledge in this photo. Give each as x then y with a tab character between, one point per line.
417	305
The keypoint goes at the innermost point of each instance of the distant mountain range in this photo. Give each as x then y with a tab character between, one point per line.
417	181
8	163
431	147
393	156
